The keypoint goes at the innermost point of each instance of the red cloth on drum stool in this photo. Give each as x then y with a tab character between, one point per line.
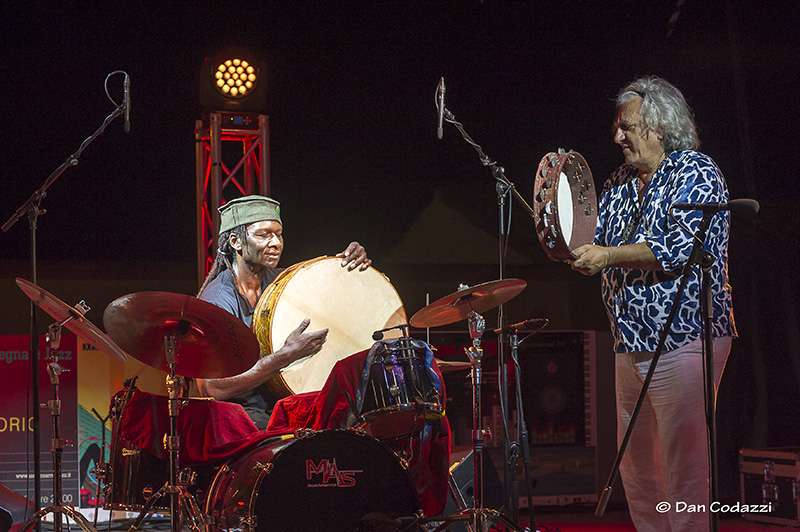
210	431
329	408
291	413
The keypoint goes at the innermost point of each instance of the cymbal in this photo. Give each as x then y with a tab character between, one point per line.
212	342
456	306
452	365
78	324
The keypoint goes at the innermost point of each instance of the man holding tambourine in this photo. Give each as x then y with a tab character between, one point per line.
640	251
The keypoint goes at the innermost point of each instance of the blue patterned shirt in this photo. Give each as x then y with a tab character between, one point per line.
639	301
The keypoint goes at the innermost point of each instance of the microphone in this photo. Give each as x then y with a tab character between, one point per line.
537	323
738	206
127	104
378	335
440	98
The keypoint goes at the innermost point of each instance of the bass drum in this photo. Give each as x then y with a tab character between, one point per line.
318	481
350	304
564	204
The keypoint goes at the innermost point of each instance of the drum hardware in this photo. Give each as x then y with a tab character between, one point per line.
73	319
449	309
58	444
181	502
181	335
102	462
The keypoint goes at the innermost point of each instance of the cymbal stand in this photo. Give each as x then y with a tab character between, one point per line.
102	421
180	500
477	517
58	444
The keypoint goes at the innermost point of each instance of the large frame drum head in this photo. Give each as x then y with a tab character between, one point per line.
351	304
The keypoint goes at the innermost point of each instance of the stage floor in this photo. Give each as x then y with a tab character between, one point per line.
582	519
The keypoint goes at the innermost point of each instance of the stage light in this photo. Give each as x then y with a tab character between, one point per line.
233	80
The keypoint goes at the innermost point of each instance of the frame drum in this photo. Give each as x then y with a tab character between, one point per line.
564	204
350	304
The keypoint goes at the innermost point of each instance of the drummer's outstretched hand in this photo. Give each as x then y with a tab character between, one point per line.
355	256
301	344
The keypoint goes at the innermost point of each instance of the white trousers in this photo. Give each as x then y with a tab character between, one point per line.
666	460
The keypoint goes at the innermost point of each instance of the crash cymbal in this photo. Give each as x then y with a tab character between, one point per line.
457	305
71	318
452	365
212	343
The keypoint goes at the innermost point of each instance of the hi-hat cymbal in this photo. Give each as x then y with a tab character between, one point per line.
212	342
71	318
457	306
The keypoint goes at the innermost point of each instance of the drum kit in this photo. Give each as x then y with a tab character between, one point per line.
258	490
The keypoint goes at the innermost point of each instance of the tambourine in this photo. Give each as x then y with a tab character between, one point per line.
564	204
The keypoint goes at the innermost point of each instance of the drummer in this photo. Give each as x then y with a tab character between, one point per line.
250	246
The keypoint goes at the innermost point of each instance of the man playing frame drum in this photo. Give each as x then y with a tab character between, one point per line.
250	246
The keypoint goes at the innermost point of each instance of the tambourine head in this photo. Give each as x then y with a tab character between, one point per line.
564	204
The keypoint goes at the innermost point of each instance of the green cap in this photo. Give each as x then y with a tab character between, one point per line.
247	210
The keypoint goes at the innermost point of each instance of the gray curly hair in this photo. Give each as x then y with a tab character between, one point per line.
665	111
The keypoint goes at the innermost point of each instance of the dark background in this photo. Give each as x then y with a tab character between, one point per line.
354	147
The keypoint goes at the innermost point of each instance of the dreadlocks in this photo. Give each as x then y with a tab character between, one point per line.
226	255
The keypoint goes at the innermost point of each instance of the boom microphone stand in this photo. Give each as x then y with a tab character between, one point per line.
504	187
32	209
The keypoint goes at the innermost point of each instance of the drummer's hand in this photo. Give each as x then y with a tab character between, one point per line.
355	256
301	344
591	259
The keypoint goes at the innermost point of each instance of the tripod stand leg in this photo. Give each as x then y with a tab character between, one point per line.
189	507
151	500
68	510
79	518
